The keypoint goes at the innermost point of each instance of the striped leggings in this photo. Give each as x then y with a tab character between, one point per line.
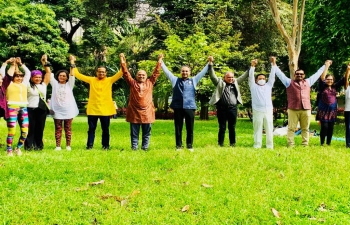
67	130
20	114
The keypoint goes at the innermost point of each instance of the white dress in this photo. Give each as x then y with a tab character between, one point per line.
62	99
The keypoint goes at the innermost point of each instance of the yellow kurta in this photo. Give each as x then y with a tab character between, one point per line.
100	101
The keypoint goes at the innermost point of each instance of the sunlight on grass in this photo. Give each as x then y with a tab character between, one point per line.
220	185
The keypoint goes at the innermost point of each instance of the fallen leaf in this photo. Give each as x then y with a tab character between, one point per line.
108	196
97	182
322	207
207	185
185	208
275	213
134	193
297	212
124	202
81	189
312	218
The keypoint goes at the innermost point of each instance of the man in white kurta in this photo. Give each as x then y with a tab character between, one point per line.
261	92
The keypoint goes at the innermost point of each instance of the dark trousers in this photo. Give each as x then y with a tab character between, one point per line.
229	116
92	121
134	134
347	128
326	131
37	119
179	116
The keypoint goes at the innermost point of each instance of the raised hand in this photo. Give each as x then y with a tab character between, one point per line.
273	60
18	61
254	62
122	58
160	57
72	59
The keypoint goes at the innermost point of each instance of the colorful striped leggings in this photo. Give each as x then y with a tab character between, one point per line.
20	114
67	130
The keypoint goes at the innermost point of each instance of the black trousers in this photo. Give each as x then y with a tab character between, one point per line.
92	121
347	128
229	116
179	116
326	131
37	119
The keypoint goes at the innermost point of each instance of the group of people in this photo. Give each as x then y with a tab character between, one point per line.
22	100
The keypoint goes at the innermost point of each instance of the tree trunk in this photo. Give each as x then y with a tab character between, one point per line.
294	40
204	114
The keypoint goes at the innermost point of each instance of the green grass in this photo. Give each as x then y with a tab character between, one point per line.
50	187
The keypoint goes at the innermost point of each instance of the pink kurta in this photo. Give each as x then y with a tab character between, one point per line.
140	107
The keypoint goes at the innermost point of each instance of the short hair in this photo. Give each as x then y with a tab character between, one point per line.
101	67
186	66
298	70
61	71
260	74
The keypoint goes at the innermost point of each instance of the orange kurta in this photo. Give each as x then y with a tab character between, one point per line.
140	106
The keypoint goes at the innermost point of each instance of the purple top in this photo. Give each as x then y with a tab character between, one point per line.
3	103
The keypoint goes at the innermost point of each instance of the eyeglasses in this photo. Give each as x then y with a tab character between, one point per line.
299	74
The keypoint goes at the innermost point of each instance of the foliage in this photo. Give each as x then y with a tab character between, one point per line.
29	31
221	185
327	34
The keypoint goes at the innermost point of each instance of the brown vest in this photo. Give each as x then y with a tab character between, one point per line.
298	95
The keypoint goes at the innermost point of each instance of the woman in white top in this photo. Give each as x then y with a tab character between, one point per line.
63	105
37	109
347	107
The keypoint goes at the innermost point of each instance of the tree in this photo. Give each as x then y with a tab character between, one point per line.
29	31
293	39
98	18
327	34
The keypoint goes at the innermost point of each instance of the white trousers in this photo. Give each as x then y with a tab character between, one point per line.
261	119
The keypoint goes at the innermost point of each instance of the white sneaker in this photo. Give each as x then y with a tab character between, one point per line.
58	149
68	148
9	153
18	152
191	149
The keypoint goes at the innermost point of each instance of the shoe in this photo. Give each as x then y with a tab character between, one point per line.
134	148
105	147
221	145
89	147
68	148
190	148
179	148
58	148
18	152
144	149
233	145
9	153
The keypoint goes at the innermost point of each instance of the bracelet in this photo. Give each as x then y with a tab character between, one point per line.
72	66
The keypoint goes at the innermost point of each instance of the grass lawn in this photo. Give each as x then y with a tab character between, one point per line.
212	185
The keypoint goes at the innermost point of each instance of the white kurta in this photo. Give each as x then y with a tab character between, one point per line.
62	99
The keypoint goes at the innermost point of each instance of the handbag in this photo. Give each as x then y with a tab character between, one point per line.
42	103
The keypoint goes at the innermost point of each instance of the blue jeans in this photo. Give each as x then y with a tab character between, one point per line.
134	134
92	121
